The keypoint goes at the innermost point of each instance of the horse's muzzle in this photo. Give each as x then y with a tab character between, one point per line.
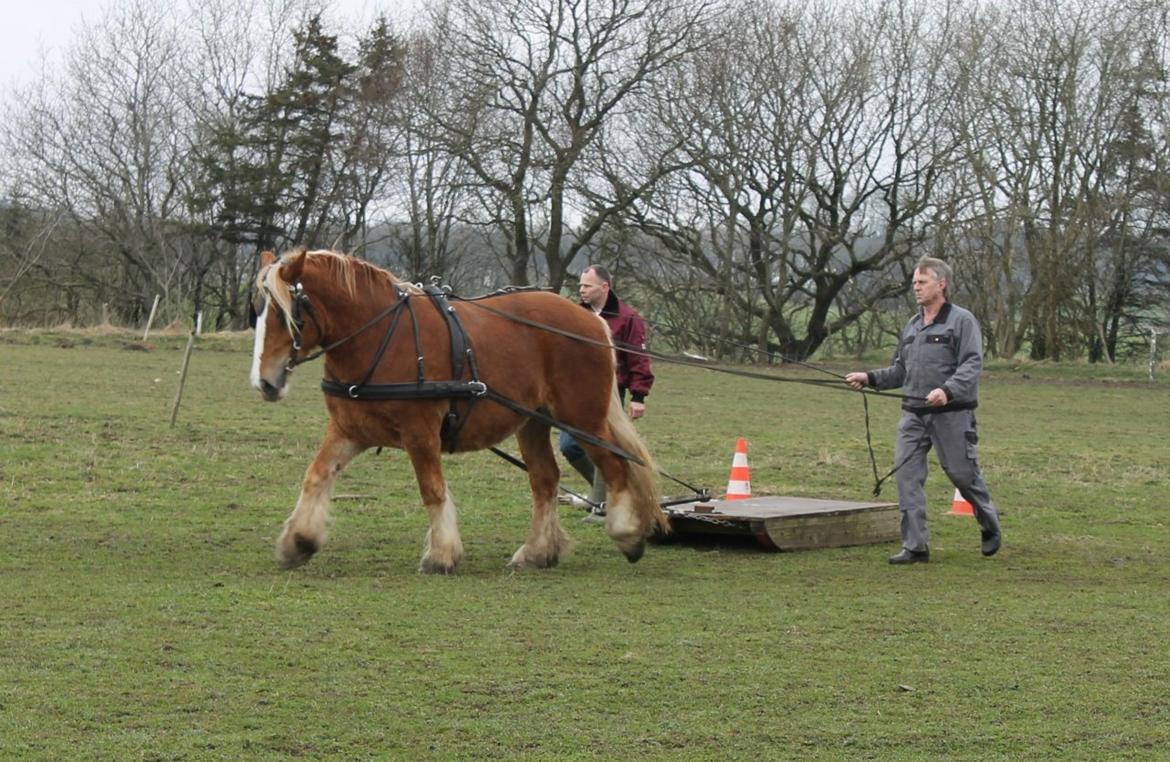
270	392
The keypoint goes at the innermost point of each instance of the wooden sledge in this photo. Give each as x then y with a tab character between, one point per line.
789	523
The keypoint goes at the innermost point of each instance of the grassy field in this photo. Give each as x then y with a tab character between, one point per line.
144	616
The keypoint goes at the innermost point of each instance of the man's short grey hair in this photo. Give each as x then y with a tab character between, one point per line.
601	273
940	269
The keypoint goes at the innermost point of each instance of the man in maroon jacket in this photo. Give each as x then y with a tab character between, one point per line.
633	369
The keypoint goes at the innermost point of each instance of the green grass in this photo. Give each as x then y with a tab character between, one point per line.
144	616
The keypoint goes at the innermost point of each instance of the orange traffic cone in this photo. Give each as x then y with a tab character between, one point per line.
739	483
960	506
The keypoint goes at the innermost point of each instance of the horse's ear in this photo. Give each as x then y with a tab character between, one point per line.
292	266
266	258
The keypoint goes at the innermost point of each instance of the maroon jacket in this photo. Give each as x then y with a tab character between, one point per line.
629	330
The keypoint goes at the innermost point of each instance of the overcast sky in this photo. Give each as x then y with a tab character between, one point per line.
33	26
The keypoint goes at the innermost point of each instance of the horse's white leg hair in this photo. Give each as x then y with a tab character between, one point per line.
304	530
547	541
633	513
443	549
621	520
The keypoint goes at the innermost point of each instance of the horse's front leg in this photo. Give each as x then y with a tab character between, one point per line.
304	530
444	548
547	542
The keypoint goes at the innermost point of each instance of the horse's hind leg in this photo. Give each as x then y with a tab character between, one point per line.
444	548
304	530
547	542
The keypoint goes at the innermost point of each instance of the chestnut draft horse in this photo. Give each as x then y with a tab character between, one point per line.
522	360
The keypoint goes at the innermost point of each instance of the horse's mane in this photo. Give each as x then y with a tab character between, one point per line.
348	271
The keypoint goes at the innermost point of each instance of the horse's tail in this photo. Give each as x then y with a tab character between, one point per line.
642	479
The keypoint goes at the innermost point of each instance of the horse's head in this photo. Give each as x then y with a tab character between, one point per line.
286	326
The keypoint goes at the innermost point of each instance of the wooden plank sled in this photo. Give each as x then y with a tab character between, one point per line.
789	523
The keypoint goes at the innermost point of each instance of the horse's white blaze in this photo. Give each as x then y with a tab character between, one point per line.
258	345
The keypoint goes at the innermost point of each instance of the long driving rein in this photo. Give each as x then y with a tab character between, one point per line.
865	393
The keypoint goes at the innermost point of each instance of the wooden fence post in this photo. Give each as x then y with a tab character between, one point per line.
183	371
149	320
1153	351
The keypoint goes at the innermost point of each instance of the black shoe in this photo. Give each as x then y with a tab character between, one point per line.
910	557
991	542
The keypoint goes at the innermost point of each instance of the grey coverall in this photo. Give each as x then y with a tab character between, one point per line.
947	355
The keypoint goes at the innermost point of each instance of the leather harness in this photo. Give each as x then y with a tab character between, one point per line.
457	388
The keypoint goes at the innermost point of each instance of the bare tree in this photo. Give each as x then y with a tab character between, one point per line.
533	85
1057	110
817	134
28	237
103	144
426	192
240	44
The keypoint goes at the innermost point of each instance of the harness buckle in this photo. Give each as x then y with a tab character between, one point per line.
478	388
352	391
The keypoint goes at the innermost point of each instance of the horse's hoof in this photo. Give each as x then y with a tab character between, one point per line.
522	561
302	549
430	566
633	550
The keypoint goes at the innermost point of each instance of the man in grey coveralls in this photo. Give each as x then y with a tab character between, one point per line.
937	364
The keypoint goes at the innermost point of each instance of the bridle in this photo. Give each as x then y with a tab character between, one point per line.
301	307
